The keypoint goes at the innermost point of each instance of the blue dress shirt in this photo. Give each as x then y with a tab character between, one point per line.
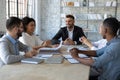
15	43
109	60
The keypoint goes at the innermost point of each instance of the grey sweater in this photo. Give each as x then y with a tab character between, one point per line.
7	52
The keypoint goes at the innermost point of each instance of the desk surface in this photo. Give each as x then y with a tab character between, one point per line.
64	71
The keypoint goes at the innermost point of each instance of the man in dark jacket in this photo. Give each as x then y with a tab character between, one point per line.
70	33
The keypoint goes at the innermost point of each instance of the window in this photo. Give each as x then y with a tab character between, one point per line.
18	8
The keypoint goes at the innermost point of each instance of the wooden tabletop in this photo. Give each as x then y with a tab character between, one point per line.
64	71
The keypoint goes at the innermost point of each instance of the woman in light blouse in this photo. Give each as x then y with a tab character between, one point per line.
29	38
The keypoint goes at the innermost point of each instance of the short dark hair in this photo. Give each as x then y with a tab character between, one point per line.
70	16
26	20
13	22
113	24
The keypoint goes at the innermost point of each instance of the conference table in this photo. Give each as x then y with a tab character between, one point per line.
42	71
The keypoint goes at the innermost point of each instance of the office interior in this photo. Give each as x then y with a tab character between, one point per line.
50	14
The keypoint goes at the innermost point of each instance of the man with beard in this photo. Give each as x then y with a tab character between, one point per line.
9	44
107	64
70	33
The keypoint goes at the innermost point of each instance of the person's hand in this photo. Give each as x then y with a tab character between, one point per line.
86	41
31	53
74	50
74	53
37	47
46	43
69	42
54	46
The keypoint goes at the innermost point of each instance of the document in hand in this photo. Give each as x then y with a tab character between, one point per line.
32	60
56	48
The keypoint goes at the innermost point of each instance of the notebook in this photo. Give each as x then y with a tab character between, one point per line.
54	60
32	60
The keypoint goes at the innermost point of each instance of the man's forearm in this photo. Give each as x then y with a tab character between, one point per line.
88	53
88	62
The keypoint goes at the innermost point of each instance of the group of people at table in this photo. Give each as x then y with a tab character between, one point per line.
20	37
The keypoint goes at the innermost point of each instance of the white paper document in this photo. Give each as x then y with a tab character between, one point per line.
43	56
68	56
56	48
32	60
73	61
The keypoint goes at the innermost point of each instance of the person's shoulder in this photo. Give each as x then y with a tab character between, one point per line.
4	39
77	27
24	34
63	28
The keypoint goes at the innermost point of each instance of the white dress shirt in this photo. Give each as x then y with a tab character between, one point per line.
70	33
99	44
30	40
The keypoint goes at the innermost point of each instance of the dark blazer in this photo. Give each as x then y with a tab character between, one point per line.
77	33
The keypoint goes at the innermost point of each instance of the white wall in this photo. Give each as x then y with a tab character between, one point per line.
50	18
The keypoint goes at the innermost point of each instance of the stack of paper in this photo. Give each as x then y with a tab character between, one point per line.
32	60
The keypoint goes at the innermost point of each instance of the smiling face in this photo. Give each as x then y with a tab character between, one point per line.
30	27
69	22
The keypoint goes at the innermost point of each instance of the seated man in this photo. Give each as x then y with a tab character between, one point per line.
70	34
107	64
9	44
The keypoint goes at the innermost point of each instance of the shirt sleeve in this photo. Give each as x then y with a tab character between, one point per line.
94	48
24	39
6	55
23	48
104	56
100	51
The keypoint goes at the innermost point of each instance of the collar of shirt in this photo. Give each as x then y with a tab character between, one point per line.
28	34
71	30
11	39
115	39
70	33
